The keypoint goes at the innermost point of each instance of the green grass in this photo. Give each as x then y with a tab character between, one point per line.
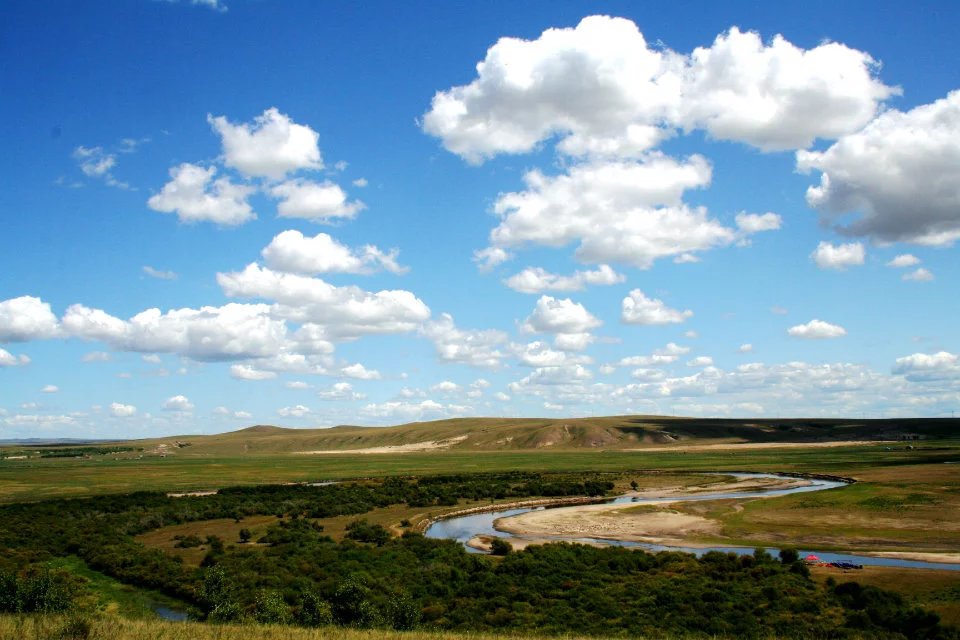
26	480
111	597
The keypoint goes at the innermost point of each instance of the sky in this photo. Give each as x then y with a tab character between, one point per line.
220	213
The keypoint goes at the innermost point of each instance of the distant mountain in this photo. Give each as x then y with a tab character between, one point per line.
503	434
50	442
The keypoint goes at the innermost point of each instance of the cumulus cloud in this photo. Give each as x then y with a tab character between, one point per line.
700	361
179	404
918	275
120	410
627	212
904	260
159	274
323	202
297	411
340	391
50	388
750	223
425	410
359	372
942	365
898	173
292	252
7	359
603	91
343	312
817	329
637	308
474	347
96	163
195	196
537	280
26	318
839	257
552	315
230	332
539	354
446	386
271	147
247	372
97	356
745	348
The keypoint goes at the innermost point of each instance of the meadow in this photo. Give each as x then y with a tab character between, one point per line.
905	499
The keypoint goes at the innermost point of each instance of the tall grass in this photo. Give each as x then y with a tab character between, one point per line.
47	627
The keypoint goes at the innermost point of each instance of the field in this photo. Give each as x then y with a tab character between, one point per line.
905	499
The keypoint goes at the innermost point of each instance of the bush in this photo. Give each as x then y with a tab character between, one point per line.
500	547
271	609
351	605
315	611
404	613
789	556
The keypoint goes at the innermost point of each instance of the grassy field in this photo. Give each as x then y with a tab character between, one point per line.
37	479
105	628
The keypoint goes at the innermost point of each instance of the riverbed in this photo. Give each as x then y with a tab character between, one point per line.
544	524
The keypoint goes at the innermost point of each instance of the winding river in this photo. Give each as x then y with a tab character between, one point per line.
463	528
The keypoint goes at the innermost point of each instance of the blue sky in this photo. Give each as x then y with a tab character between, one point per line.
220	213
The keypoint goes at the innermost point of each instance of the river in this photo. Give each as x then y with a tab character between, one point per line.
463	528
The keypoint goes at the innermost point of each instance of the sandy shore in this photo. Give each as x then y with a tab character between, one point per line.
429	445
761	445
922	556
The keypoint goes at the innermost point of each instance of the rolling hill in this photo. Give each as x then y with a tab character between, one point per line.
491	434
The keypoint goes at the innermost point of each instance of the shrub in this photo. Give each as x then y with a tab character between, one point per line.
500	547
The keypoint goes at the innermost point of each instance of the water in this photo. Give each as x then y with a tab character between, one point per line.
464	528
174	615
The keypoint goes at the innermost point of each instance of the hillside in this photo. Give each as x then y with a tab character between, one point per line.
504	434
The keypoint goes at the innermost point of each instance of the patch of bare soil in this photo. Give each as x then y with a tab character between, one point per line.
430	445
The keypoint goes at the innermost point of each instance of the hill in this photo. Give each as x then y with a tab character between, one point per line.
595	433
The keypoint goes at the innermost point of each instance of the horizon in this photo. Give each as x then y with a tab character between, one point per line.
226	212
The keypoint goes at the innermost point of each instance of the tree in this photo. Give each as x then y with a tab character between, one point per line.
271	609
500	547
789	555
245	535
314	611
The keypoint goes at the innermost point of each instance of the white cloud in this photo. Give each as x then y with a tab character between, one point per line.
50	388
918	275
26	318
637	308
925	367
360	182
159	274
539	354
573	341
322	202
904	260
120	410
750	223
97	356
778	310
343	312
624	212
290	251
297	411
271	147
247	372
745	348
195	196
359	372
537	280
227	413
553	315
778	96
899	173
603	91
180	404
98	164
445	387
501	396
839	257
700	361
296	384
817	329
7	359
152	358
478	348
230	332
490	257
427	409
340	391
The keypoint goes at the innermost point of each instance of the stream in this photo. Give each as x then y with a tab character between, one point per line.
463	528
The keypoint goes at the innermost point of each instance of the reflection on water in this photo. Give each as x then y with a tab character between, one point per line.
167	613
464	528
